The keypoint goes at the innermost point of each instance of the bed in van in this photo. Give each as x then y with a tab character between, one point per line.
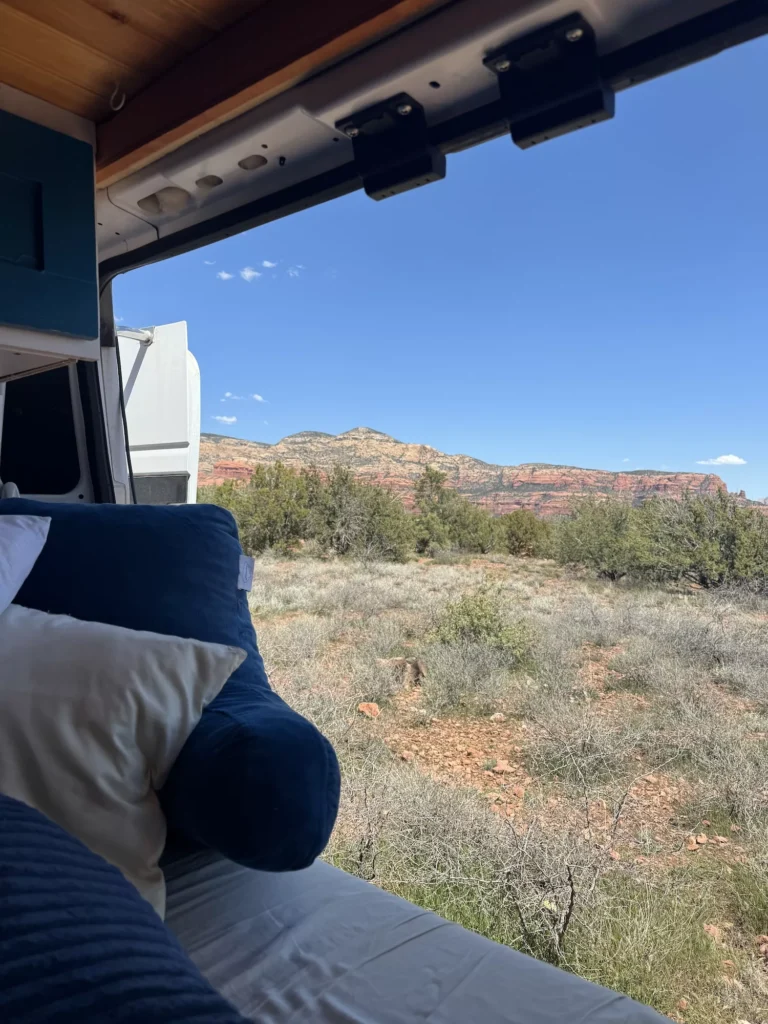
134	131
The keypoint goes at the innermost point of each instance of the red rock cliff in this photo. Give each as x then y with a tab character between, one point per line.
547	490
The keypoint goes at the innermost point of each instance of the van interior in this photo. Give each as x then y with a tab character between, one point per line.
133	131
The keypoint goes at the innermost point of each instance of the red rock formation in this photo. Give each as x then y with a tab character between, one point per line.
229	470
378	458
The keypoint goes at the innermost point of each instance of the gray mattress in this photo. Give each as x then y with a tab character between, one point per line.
321	946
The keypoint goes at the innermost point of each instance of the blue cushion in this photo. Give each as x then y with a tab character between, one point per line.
255	780
78	942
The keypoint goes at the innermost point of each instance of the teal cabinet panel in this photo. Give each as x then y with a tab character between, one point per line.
48	272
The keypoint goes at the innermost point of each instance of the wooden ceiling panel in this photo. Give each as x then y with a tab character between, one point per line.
183	24
215	15
64	64
75	53
27	76
102	32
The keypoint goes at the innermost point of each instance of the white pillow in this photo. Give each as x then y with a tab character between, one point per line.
92	718
21	541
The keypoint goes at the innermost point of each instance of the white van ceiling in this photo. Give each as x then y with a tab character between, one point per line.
293	150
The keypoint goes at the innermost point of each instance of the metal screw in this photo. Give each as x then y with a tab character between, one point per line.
404	109
573	35
502	65
353	132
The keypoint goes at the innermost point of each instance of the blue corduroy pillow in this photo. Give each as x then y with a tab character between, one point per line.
78	943
255	780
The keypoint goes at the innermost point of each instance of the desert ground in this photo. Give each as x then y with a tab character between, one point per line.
573	767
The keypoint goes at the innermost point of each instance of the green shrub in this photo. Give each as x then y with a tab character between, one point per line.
448	519
430	492
432	534
478	619
353	518
710	540
279	507
471	527
272	509
523	533
600	535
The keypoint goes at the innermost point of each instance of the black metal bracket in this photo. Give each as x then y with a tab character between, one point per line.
391	147
550	82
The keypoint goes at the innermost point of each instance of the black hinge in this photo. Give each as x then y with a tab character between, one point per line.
550	82
391	148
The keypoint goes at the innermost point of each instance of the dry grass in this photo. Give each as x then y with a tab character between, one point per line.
548	800
469	677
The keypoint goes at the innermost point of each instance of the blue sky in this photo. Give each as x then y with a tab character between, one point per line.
600	301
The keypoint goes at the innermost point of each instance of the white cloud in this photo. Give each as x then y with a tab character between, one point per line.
722	460
119	319
225	419
224	276
268	264
258	398
293	271
248	273
625	460
209	263
266	423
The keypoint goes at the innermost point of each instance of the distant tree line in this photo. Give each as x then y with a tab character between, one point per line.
709	540
279	508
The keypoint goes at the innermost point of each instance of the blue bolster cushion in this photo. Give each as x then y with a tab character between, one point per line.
79	944
255	780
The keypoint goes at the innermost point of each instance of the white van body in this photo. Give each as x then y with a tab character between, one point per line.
161	382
